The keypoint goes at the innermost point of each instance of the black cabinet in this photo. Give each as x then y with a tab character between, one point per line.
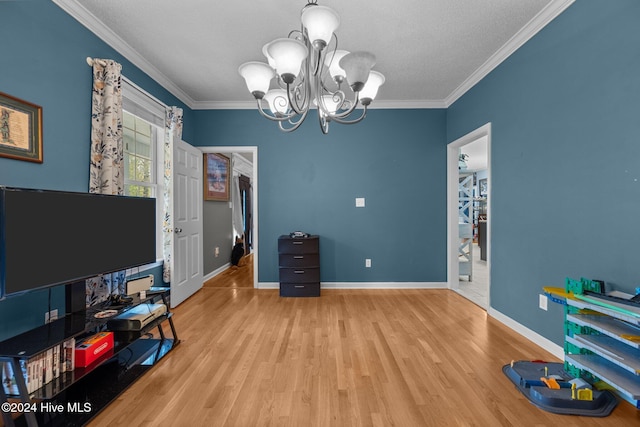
299	262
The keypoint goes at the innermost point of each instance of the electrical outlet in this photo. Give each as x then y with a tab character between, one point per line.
360	202
367	263
543	302
217	251
50	316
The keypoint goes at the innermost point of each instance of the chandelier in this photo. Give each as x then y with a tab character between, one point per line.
308	68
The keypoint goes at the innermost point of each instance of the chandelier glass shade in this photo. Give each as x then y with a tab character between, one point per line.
370	89
306	68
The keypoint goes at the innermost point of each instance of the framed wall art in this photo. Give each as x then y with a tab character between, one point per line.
216	177
20	129
482	187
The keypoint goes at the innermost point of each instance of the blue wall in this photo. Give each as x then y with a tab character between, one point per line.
565	172
565	114
45	64
395	159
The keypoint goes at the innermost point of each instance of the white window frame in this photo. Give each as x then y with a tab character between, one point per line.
139	103
155	148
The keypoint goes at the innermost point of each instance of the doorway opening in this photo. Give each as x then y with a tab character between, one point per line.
469	215
249	195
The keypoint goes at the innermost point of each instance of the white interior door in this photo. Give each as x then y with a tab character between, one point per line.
187	222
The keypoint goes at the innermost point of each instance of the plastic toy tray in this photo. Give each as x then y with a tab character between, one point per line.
526	377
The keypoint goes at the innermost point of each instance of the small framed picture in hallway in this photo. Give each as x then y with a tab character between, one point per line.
216	177
482	186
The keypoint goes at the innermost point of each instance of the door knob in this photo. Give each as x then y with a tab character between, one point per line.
177	230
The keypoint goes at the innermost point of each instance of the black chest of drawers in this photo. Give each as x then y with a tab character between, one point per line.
299	262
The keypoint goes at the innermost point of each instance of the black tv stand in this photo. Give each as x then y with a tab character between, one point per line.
76	397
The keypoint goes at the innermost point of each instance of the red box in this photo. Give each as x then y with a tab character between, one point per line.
91	348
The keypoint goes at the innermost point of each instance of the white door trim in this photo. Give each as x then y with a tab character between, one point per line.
253	150
452	203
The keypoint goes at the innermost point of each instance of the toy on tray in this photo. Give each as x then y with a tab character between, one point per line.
550	388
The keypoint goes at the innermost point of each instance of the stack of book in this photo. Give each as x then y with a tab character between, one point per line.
40	369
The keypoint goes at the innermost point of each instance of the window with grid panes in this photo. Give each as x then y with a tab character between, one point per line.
139	156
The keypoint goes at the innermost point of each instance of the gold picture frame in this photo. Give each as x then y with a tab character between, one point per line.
216	177
20	129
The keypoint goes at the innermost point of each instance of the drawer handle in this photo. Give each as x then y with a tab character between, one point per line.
298	271
298	243
298	257
298	286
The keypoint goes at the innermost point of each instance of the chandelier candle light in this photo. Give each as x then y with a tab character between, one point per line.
300	64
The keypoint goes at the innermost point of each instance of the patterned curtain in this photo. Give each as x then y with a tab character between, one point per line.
106	175
106	169
173	132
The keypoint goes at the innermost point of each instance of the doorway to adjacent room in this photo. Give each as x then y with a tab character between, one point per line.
250	261
468	215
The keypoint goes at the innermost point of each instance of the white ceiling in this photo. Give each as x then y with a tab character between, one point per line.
431	51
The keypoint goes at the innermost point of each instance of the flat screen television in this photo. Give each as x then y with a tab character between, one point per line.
49	238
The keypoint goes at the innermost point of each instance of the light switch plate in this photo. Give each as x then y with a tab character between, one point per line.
359	202
543	302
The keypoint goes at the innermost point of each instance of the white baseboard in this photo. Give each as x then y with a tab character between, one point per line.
366	285
268	285
383	285
532	336
215	272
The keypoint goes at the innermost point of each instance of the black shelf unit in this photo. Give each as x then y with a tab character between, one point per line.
134	353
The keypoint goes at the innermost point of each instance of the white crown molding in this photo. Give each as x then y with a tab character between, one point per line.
376	105
407	104
224	105
84	17
544	17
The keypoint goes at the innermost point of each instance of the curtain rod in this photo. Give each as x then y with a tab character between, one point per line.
141	91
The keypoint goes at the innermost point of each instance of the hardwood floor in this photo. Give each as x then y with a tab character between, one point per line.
349	358
234	277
